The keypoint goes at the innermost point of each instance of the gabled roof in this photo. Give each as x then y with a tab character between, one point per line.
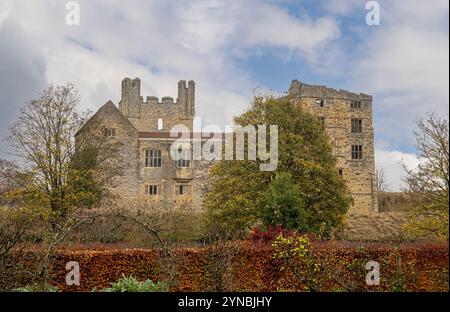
109	107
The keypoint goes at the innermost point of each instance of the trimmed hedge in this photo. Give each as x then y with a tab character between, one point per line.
246	266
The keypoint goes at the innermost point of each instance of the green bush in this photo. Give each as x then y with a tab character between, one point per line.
37	288
131	284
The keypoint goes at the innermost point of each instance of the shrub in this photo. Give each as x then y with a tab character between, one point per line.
268	235
37	288
131	284
296	256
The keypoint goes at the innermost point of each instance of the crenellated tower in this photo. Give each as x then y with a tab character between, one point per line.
154	114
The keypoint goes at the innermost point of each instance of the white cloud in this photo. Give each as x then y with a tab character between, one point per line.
162	42
404	63
225	27
392	163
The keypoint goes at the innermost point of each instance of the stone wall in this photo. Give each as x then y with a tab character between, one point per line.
375	226
109	117
336	114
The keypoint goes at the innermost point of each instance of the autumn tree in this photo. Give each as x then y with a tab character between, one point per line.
43	137
63	177
429	181
241	195
11	180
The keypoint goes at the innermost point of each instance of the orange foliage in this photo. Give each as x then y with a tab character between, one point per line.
405	267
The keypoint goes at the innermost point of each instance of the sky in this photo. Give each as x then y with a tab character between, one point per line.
232	48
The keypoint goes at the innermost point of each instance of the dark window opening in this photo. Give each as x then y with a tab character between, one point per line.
182	189
151	190
357	152
184	161
153	158
356	125
110	133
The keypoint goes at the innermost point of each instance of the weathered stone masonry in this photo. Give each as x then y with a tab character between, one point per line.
347	119
151	175
144	129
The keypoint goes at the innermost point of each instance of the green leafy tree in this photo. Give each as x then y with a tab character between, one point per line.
284	204
241	195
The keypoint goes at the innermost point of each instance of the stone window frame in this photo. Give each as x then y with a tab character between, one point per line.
151	160
355	104
356	125
357	152
320	103
110	132
183	162
152	189
339	145
182	189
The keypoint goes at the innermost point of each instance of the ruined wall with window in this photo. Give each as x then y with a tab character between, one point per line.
347	119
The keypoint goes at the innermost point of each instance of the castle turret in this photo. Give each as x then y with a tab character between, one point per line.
130	104
295	88
186	97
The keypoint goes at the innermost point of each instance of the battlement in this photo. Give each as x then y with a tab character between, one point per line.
300	89
142	113
154	100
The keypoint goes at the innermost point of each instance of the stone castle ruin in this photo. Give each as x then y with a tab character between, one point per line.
152	176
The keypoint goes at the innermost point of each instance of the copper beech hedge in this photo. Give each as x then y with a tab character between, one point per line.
248	266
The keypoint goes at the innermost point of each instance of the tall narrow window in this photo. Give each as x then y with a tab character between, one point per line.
160	124
152	158
151	190
184	161
357	152
338	145
355	104
356	125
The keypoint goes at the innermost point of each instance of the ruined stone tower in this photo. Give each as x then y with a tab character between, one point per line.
347	119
